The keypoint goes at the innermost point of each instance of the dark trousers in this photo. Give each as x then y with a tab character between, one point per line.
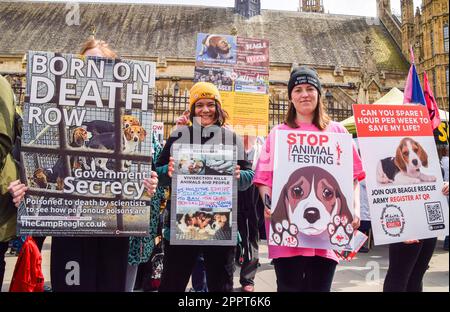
179	262
39	240
102	263
407	265
365	226
199	283
248	229
250	212
3	250
304	274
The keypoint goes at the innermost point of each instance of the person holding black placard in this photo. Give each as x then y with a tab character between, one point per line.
88	264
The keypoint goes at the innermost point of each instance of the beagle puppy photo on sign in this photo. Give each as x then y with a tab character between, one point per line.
406	166
54	175
103	126
132	136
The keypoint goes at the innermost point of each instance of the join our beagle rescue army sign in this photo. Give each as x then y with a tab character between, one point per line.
86	146
404	179
312	200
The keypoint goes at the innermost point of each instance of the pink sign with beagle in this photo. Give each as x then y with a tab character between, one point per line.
312	195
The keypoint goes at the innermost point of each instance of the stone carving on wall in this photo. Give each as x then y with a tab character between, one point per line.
369	74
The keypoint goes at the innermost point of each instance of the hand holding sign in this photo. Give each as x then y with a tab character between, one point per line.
171	167
237	172
17	191
356	223
151	183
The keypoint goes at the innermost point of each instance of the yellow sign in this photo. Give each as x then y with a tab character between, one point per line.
442	132
249	113
228	104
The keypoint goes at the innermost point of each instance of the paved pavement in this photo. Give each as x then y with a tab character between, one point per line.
365	273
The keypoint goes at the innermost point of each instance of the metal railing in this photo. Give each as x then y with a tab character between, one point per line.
170	104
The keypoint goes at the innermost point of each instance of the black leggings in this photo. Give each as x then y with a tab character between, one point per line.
407	265
304	274
39	240
248	229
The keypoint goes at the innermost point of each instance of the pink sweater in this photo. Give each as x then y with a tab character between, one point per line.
264	176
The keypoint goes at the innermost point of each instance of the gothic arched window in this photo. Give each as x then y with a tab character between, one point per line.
445	38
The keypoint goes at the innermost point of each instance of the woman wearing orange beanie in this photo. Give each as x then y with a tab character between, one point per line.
208	119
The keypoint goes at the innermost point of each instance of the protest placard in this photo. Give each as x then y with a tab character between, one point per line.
441	133
204	195
404	179
239	67
312	200
86	146
252	70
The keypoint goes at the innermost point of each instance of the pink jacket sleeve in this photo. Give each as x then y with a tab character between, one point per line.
264	167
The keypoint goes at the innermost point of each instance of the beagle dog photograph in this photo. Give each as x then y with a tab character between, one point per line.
102	126
310	203
56	174
40	178
80	137
132	136
216	47
129	120
405	167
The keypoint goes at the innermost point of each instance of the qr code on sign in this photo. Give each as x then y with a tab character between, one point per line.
434	213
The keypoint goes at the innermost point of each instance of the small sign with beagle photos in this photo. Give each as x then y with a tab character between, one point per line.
204	195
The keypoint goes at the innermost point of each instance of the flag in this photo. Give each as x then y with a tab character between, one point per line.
413	91
432	106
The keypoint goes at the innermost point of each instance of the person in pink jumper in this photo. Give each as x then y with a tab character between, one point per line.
303	269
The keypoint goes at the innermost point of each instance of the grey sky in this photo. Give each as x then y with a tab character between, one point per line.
348	7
